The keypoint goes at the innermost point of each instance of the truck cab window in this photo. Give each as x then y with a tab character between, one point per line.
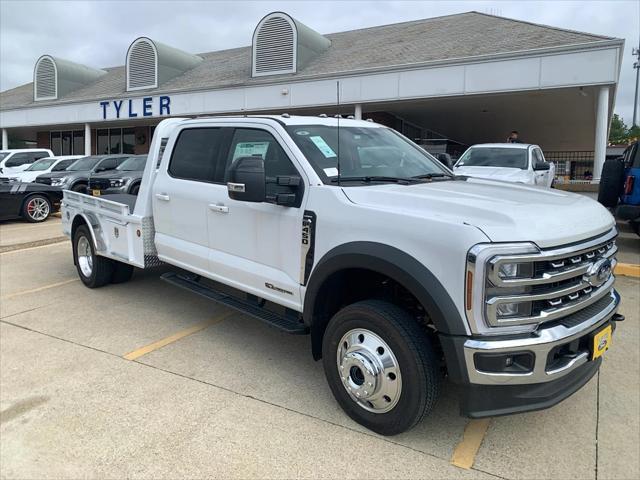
196	154
248	142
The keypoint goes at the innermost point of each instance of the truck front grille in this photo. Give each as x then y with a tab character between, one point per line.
558	283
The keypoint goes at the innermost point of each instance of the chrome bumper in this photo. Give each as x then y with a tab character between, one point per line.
540	344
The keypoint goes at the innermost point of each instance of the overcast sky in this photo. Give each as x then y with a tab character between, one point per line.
98	33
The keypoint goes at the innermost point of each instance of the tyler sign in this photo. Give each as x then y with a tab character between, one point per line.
136	107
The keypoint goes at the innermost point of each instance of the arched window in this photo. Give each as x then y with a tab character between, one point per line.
274	45
45	79
142	65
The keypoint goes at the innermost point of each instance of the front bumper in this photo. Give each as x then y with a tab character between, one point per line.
560	363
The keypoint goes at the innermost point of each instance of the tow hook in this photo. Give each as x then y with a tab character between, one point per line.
618	317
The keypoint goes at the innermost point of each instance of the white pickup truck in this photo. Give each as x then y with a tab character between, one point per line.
401	272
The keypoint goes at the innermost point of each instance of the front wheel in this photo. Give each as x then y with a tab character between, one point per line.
36	208
381	366
94	270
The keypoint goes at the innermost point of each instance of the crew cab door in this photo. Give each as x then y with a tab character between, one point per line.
181	192
257	247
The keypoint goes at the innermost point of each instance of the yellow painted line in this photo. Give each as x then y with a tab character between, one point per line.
627	269
40	289
465	453
176	336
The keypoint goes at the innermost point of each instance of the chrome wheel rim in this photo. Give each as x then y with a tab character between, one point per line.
369	370
85	257
38	209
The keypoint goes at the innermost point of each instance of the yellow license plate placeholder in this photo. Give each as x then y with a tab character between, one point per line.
601	341
96	192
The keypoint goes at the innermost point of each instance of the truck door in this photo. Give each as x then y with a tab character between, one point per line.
542	177
257	246
181	194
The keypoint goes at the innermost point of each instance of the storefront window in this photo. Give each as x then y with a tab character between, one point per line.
56	145
78	143
102	146
128	140
115	140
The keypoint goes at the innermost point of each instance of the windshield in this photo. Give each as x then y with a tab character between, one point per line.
494	157
40	165
86	163
63	165
4	155
362	152
133	164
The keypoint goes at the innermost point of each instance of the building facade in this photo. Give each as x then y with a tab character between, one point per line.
446	82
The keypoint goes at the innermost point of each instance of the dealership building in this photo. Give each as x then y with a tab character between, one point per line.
446	82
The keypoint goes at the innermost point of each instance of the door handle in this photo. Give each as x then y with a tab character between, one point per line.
219	208
162	196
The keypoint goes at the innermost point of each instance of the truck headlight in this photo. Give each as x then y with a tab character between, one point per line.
58	181
515	270
116	183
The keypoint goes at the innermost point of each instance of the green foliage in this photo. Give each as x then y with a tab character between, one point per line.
620	134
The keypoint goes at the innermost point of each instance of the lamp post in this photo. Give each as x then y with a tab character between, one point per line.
636	52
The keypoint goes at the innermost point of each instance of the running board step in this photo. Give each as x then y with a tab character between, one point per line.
281	322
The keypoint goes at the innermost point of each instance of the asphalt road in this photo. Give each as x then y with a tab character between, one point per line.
145	380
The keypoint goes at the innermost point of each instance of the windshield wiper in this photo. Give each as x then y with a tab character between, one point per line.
429	176
376	178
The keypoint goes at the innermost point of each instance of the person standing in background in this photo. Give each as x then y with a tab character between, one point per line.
513	137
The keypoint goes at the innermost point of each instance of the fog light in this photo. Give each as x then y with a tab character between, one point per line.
514	362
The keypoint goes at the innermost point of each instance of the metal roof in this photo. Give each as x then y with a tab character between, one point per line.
442	39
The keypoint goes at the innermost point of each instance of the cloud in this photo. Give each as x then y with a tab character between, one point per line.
98	33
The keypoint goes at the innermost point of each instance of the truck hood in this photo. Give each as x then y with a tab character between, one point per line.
504	212
495	173
113	174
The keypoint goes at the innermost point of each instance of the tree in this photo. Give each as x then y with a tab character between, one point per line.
618	134
633	134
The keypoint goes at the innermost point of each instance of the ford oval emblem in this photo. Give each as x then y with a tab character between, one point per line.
599	272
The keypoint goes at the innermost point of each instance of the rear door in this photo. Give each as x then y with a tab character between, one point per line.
182	192
257	247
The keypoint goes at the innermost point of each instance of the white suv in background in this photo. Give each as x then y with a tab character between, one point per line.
13	161
511	162
44	165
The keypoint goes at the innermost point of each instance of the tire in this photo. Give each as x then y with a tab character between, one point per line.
122	272
80	188
135	189
94	271
36	208
363	328
611	182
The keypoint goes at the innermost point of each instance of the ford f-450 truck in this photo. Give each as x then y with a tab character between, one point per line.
402	273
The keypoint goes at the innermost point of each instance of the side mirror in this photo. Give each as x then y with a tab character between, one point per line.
247	181
543	166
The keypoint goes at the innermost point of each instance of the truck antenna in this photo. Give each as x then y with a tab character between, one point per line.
338	128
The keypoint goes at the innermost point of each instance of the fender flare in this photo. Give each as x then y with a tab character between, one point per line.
93	225
396	264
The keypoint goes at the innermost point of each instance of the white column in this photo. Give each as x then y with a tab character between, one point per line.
358	112
87	139
602	128
5	139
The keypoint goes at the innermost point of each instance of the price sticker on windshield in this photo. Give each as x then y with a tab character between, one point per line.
326	150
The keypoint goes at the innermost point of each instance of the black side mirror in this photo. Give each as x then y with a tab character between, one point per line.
543	166
247	181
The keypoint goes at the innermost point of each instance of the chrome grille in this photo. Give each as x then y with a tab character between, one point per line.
561	282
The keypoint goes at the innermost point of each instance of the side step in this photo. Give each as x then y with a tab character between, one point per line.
289	325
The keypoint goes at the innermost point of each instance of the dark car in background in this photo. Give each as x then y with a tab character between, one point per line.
125	178
33	202
76	176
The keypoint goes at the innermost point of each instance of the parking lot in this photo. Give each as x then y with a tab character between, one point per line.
146	380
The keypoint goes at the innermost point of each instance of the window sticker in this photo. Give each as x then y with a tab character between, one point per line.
323	147
251	149
331	172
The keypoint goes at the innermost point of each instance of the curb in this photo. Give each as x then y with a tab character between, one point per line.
628	270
